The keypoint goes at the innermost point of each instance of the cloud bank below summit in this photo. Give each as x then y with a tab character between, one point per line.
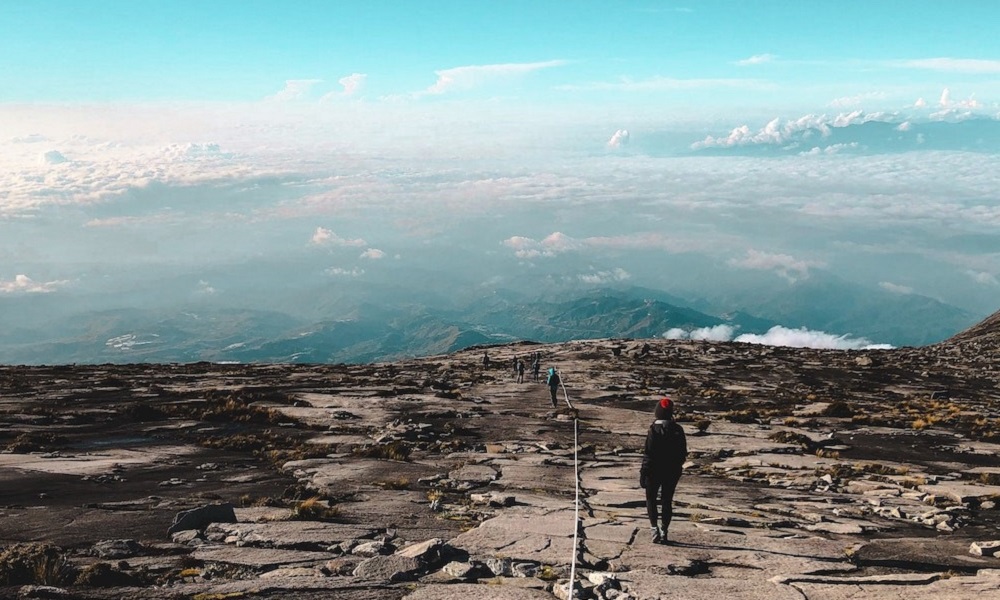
777	336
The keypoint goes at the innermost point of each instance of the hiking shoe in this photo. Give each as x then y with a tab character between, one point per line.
663	536
655	531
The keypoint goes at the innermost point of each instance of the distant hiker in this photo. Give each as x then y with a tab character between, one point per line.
645	350
536	366
520	371
553	383
486	361
662	463
514	364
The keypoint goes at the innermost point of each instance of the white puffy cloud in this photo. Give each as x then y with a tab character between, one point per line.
920	103
553	244
776	336
31	138
603	277
342	272
945	100
895	288
325	237
373	254
784	265
352	83
52	157
778	132
295	89
983	278
831	149
618	139
806	338
717	333
757	59
948	105
205	288
473	76
857	100
675	333
24	284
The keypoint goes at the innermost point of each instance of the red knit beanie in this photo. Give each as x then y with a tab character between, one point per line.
664	409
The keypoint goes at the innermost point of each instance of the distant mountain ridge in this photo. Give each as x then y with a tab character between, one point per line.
370	332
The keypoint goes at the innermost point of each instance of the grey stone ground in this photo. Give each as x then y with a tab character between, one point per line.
833	508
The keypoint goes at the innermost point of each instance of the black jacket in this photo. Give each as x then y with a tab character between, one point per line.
665	451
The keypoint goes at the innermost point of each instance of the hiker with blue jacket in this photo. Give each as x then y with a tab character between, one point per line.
553	382
662	463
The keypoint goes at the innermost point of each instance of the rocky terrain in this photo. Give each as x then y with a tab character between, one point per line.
811	474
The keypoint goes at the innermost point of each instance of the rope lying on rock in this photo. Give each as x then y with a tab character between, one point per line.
576	481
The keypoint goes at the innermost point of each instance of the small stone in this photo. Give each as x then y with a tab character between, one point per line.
117	548
991	548
374	548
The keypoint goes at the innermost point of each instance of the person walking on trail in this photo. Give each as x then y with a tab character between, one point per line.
486	361
662	463
536	366
553	383
520	371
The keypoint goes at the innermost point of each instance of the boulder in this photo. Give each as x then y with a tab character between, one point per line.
114	549
202	517
389	568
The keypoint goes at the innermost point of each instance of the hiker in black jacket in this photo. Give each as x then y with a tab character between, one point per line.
662	462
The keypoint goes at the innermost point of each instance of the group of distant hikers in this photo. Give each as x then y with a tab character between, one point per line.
663	455
517	363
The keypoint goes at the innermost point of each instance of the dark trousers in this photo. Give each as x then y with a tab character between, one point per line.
552	394
664	488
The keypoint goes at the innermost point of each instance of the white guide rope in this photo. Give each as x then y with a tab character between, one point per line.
576	481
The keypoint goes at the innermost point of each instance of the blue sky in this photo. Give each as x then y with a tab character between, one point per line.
609	142
776	53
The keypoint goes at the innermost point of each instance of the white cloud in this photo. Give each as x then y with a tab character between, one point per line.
945	100
904	126
983	278
857	100
352	83
718	333
806	338
784	265
325	237
602	277
948	105
777	132
373	254
295	89
895	288
553	244
831	149
776	336
920	103
341	272
52	157
205	288
618	139
31	138
24	284
757	59
473	76
676	333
